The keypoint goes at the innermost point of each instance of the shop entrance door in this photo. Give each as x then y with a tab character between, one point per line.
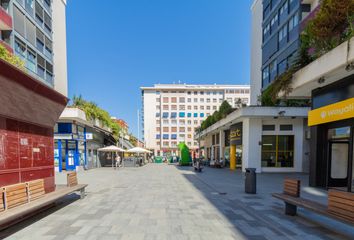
338	164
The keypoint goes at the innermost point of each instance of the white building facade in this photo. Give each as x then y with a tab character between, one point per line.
172	112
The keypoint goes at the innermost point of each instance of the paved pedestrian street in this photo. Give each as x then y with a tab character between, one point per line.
160	201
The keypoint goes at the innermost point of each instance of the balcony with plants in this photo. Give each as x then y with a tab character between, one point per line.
325	53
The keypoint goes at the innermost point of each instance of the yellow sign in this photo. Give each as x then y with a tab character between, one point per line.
331	113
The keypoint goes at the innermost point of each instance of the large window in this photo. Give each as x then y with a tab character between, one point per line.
277	151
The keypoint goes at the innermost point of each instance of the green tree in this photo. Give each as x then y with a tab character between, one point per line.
225	109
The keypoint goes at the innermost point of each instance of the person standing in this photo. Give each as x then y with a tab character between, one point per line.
117	161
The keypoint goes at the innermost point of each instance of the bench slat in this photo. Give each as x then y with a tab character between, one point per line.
15	195
36	189
2	206
341	203
292	187
340	194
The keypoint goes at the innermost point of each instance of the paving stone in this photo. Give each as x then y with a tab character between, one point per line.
161	201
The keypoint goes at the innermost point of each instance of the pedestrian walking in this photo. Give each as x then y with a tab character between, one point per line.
117	165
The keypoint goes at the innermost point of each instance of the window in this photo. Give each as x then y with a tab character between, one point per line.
208	107
273	69
189	114
19	21
189	122
274	21
202	115
189	107
284	8
195	100
158	129
158	122
182	100
29	5
174	129
47	23
265	76
20	48
293	22
208	100
195	107
268	127
182	114
189	100
181	122
214	107
173	114
283	33
287	127
202	100
174	122
165	100
182	107
282	66
31	61
174	136
158	136
39	40
277	151
182	129
173	107
266	30
158	114
165	107
195	122
173	100
39	14
165	115
165	121
195	115
215	100
30	32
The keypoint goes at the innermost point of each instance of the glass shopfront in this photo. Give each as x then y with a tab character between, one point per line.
278	151
332	141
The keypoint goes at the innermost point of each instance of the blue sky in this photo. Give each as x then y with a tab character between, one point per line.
116	46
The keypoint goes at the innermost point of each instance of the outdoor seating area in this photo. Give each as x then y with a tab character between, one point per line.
340	204
22	200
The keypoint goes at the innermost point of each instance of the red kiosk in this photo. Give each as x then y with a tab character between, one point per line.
28	112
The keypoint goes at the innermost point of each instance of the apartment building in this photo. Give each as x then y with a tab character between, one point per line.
31	100
281	30
172	112
35	30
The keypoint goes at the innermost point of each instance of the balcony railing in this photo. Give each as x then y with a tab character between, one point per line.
5	20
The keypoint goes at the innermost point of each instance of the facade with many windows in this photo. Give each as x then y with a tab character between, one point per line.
172	112
281	28
29	34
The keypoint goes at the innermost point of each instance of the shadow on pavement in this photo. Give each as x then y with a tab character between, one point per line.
259	216
65	201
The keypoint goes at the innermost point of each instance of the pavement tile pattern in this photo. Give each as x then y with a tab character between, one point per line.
160	201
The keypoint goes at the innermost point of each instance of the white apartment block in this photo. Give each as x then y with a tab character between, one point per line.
172	112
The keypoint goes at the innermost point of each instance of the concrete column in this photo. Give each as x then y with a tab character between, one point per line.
252	135
232	157
222	144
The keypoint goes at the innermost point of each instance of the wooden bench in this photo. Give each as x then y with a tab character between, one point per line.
35	189
340	204
2	205
73	182
72	179
15	195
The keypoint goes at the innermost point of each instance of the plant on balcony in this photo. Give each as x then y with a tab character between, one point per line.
93	112
10	58
331	26
224	110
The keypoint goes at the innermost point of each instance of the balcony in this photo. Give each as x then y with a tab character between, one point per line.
329	68
5	20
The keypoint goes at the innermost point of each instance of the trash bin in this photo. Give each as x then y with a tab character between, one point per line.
251	181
